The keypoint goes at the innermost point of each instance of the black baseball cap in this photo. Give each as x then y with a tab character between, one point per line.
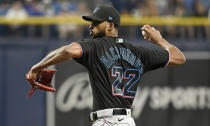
104	13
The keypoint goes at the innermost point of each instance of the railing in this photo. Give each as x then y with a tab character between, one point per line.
125	20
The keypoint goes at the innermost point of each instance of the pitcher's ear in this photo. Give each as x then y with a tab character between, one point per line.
110	26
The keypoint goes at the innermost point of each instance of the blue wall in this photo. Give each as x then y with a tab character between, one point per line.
15	108
1	87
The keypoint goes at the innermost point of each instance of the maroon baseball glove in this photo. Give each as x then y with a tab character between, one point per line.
43	81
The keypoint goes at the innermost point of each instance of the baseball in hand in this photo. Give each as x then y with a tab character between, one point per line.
144	34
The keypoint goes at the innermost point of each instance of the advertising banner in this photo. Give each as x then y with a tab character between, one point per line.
172	96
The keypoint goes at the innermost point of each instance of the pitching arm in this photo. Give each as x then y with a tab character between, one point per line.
154	36
61	54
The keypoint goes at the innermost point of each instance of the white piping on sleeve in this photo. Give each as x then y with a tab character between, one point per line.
167	49
80	48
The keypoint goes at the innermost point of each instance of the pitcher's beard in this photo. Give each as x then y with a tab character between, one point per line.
99	34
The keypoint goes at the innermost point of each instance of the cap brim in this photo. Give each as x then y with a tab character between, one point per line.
91	18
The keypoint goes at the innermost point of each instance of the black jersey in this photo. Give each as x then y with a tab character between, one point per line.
115	68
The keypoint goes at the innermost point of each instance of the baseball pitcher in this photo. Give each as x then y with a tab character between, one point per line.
115	66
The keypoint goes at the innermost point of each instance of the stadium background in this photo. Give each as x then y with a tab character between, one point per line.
174	96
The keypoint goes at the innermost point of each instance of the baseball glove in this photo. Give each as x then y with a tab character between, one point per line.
43	81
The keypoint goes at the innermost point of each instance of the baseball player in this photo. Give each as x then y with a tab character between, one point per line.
115	66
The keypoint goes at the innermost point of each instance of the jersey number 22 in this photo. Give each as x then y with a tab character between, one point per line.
125	83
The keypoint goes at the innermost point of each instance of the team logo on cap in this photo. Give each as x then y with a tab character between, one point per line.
110	18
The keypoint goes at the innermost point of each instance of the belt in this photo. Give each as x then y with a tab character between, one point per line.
109	112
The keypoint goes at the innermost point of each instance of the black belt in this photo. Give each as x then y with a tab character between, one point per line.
119	112
94	116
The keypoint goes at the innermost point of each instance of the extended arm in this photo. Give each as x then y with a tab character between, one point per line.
154	36
61	54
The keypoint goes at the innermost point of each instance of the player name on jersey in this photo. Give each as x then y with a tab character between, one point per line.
113	54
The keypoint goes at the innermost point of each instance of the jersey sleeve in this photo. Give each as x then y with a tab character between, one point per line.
88	48
153	58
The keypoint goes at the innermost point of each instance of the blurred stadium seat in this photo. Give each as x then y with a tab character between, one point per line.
61	19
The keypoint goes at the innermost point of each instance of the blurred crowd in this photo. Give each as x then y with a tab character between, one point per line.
24	8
